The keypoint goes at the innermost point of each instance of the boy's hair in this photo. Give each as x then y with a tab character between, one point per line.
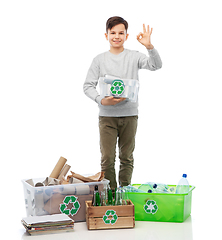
113	21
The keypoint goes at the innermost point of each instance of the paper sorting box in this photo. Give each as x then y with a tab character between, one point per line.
68	198
162	207
108	217
124	88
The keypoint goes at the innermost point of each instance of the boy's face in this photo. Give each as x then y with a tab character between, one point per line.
117	36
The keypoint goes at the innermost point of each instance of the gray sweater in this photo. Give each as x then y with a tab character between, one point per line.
124	65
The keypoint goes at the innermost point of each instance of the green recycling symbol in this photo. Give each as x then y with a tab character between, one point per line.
67	200
108	214
117	87
150	207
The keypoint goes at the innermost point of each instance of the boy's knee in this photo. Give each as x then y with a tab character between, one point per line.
125	158
107	162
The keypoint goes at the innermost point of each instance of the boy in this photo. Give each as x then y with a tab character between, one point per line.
118	116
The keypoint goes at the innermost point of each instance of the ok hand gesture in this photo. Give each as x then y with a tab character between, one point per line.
144	38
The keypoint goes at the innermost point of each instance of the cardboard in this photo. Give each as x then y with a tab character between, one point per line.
58	167
64	171
95	178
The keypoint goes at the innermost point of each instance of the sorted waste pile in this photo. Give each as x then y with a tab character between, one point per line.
66	195
61	192
57	177
48	224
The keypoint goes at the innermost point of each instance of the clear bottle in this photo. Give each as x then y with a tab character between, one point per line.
123	196
183	185
118	200
146	187
160	188
126	197
152	187
103	198
96	197
131	188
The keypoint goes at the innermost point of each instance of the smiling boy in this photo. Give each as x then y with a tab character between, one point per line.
118	116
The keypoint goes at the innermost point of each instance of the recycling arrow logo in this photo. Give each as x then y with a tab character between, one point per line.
110	217
71	201
117	87
150	207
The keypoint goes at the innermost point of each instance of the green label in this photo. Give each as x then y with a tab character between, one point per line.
117	87
110	217
150	207
70	201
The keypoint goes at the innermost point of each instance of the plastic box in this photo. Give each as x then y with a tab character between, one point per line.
161	207
124	88
69	198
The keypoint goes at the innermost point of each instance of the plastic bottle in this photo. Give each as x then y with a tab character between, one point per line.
183	185
130	188
146	187
160	188
151	187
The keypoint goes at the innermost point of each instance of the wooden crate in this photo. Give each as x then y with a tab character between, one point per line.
108	217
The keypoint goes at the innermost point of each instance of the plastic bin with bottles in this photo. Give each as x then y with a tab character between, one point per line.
120	88
161	206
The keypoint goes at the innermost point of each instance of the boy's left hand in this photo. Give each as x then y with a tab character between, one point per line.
144	38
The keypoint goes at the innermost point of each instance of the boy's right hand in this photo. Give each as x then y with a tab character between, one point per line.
111	101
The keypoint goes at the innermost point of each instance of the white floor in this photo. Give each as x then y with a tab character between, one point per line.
204	222
142	230
191	229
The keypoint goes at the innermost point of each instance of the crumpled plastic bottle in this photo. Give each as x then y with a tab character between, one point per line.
151	187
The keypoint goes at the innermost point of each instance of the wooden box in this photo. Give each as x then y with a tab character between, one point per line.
108	217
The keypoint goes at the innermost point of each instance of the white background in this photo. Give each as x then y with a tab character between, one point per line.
46	48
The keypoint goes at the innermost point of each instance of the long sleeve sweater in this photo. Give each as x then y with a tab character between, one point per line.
124	65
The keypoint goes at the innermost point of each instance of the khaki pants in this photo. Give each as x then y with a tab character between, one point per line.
123	129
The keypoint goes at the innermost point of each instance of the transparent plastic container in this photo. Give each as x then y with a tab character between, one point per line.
117	87
68	198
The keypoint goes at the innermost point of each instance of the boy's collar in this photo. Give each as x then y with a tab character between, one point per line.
117	53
